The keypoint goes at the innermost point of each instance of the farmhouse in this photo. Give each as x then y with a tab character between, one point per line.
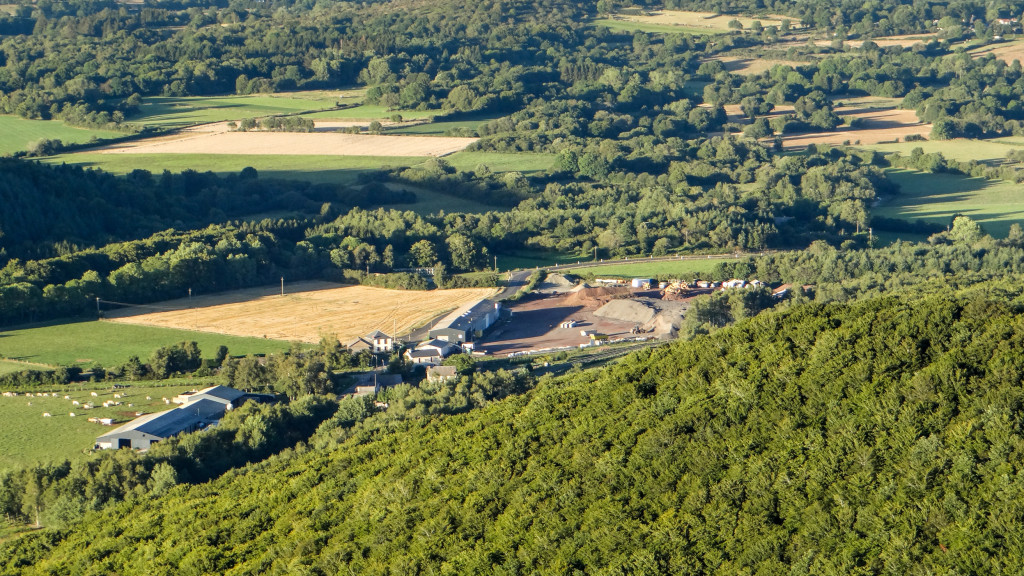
375	342
430	353
440	373
373	383
461	324
198	410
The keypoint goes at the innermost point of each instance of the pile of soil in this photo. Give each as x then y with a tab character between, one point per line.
586	295
627	311
555	284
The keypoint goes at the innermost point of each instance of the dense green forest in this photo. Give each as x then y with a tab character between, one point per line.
868	425
868	438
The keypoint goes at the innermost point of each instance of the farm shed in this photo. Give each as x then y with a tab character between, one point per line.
197	411
463	322
143	432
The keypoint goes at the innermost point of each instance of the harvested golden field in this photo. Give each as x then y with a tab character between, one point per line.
307	311
689	19
1007	52
883	122
291	144
906	41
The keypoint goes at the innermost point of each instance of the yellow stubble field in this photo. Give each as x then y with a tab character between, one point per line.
307	311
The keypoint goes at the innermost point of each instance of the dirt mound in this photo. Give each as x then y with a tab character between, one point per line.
666	324
585	295
627	311
555	284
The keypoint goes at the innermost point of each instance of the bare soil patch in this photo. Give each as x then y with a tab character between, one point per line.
610	311
307	311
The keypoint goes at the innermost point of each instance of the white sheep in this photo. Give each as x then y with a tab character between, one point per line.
67	397
117	395
166	401
131	405
149	398
74	403
94	395
46	414
72	414
29	403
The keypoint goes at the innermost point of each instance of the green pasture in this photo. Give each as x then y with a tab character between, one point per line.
630	26
370	112
525	162
441	128
988	151
16	133
995	204
662	269
28	437
333	169
524	260
7	367
110	344
317	169
172	112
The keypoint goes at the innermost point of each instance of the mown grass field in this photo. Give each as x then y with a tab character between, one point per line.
334	169
441	128
16	133
664	269
7	367
523	260
173	112
28	438
370	112
654	28
525	162
319	169
110	344
989	151
994	204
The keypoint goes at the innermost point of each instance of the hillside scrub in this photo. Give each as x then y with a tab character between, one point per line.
871	438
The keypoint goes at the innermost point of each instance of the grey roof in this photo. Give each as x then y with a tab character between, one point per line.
376	334
435	343
427	353
221	393
168	423
441	371
462	318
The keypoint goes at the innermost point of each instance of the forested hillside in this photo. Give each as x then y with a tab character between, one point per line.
874	438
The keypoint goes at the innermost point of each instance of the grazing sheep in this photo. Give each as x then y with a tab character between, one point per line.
94	394
74	403
67	397
149	398
131	405
72	414
46	414
29	403
117	395
166	401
